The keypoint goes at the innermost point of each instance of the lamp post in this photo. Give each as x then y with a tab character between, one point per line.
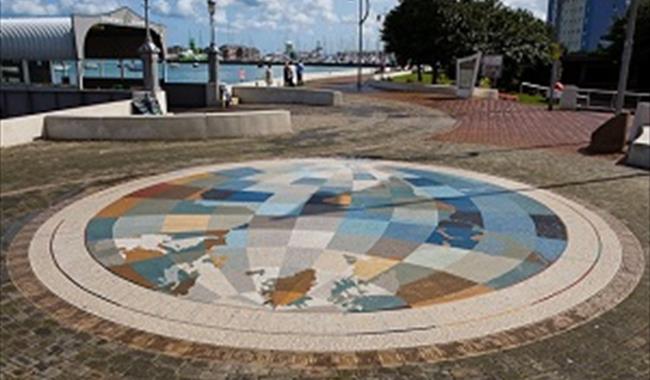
149	53
628	48
363	16
213	91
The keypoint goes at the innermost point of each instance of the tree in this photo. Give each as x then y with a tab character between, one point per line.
417	32
524	41
612	46
437	32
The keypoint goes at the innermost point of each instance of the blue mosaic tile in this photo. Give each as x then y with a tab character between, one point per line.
310	181
239	172
100	229
412	232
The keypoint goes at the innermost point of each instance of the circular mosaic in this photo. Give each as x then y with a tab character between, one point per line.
336	236
328	255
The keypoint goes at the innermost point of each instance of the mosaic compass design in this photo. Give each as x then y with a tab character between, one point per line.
331	236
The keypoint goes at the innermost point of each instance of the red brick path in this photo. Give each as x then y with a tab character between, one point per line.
505	123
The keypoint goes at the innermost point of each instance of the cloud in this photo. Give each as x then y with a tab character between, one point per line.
273	15
29	7
537	7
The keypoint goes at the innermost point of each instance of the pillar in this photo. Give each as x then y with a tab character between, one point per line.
149	53
212	95
25	72
80	74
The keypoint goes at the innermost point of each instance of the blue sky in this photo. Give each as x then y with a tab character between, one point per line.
263	23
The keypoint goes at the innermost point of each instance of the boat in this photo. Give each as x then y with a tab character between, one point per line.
195	64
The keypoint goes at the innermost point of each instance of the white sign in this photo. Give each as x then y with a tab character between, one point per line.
467	74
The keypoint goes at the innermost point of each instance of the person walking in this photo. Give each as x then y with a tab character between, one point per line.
300	70
288	75
268	75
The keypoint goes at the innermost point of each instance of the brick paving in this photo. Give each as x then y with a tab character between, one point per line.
35	346
508	123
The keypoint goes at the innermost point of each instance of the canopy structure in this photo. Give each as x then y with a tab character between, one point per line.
113	35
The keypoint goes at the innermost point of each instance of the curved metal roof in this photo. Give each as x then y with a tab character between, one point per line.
42	38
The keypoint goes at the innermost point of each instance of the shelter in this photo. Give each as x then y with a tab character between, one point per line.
29	46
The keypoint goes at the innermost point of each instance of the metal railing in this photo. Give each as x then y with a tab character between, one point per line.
590	98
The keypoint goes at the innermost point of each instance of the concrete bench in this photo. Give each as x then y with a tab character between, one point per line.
639	153
287	95
195	126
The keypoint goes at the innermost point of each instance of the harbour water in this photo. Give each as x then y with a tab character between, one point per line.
180	72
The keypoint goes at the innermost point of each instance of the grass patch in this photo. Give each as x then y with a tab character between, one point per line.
536	100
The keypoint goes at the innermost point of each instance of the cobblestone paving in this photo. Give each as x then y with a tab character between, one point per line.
614	346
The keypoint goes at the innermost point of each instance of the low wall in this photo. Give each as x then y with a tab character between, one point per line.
25	129
185	95
287	95
485	93
18	101
169	127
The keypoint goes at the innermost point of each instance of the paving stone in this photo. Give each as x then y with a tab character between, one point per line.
617	349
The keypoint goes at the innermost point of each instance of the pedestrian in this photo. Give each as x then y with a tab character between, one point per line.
242	75
268	75
260	75
300	70
288	74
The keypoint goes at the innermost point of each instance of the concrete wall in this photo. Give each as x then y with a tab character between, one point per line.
20	101
171	127
639	153
25	129
287	95
185	95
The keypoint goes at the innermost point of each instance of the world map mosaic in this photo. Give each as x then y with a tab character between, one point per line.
332	236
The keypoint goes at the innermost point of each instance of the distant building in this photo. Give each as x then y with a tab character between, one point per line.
551	13
239	53
581	24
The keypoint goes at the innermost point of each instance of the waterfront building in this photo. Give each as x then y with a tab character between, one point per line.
239	53
581	24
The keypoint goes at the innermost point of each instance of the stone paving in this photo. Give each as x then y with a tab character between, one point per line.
614	345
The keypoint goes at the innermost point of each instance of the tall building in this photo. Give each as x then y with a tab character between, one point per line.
580	24
551	13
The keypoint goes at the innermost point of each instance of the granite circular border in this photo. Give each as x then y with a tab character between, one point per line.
622	284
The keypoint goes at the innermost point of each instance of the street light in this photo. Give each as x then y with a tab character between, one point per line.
214	93
149	53
627	56
363	16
